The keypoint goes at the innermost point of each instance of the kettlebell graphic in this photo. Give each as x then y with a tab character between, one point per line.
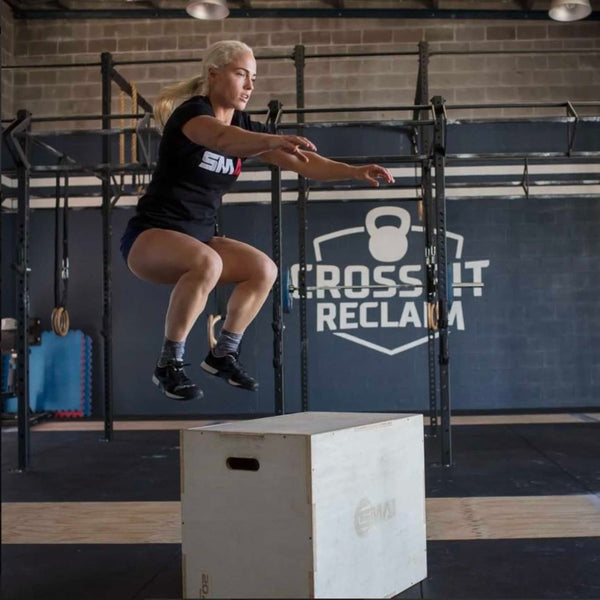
389	242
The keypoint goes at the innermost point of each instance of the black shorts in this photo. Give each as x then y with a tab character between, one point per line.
134	229
129	236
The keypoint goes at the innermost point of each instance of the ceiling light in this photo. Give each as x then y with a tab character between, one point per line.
207	9
569	10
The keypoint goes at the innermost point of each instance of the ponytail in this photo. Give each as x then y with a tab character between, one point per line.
172	94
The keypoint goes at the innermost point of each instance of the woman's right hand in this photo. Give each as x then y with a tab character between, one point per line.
292	144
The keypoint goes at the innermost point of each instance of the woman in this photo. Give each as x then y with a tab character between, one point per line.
171	239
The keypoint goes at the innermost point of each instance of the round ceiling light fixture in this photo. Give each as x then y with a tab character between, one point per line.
569	10
207	9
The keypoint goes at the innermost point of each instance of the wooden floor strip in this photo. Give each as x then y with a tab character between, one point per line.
513	517
91	523
525	419
187	424
121	425
160	522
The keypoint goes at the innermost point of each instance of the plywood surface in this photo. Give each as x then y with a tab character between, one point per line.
309	423
238	522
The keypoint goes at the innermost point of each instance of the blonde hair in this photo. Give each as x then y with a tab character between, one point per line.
215	57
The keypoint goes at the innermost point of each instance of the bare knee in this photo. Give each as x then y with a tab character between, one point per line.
206	269
267	271
165	256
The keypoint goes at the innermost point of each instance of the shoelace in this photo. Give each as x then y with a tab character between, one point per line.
184	380
179	367
239	369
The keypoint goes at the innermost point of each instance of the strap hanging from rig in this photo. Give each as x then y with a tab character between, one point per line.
60	316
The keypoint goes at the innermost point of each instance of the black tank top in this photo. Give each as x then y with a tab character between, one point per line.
188	184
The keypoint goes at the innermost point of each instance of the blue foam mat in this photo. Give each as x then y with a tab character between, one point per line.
59	374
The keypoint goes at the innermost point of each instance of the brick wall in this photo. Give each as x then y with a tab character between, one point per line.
479	78
7	57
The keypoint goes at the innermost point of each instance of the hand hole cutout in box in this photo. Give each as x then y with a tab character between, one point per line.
238	463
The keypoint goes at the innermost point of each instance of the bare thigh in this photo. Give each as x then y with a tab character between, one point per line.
241	262
163	256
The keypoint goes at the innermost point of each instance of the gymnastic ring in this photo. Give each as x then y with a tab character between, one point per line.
60	321
432	316
210	330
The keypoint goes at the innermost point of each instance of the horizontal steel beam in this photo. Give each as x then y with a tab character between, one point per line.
290	13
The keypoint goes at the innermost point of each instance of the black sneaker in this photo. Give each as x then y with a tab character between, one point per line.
174	383
229	368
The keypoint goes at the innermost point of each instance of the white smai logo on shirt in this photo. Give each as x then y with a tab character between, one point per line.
215	163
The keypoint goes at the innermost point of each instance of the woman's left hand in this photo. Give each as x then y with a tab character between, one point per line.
372	174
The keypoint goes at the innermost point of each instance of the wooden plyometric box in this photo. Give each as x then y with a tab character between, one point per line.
306	505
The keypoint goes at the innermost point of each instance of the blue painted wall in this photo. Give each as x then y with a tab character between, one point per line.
528	339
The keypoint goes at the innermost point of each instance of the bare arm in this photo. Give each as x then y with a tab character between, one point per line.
323	169
211	133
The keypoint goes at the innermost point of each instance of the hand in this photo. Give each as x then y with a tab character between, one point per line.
293	144
372	173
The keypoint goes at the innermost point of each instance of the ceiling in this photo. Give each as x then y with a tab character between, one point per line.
470	9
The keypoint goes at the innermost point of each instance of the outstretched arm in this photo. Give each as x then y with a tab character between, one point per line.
323	169
211	133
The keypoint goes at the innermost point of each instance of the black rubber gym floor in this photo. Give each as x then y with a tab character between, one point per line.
541	460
